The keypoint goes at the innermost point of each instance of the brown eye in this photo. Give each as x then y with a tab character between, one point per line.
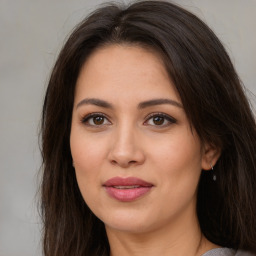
95	120
158	120
98	120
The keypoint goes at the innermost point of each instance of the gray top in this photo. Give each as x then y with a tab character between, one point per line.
227	252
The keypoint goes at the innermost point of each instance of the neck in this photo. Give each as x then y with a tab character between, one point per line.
179	239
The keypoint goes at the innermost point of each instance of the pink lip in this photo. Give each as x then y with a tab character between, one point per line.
133	188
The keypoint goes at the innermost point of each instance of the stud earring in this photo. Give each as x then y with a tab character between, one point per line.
214	177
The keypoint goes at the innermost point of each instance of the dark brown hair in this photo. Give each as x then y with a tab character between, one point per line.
213	100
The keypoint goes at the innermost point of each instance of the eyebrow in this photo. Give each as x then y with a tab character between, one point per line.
96	102
154	102
142	105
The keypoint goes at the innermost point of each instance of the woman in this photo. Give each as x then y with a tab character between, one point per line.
148	140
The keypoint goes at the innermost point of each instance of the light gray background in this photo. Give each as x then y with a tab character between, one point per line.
31	34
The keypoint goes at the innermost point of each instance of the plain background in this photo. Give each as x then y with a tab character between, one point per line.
31	35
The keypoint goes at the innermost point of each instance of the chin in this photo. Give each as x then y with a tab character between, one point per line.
132	222
133	228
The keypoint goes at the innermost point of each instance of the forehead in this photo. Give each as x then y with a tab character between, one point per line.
115	69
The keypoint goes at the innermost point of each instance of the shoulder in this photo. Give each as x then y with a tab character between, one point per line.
244	253
227	252
220	252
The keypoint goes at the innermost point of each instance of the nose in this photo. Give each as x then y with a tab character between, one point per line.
126	148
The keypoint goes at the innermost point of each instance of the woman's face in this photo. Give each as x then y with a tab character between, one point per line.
136	158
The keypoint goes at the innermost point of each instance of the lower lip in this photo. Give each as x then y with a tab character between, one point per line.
127	195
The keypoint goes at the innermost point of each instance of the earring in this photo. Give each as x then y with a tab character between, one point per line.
214	177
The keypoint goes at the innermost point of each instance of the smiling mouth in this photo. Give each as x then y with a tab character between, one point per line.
127	189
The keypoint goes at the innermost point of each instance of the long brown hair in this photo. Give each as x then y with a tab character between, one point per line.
213	100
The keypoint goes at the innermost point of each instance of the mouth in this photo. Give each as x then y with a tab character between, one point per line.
127	189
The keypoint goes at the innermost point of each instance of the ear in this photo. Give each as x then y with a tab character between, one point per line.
210	156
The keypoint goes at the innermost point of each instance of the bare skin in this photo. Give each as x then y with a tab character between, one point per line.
181	239
128	121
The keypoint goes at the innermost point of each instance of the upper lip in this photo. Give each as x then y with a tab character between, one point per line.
129	181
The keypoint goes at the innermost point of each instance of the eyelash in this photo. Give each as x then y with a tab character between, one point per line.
85	120
167	118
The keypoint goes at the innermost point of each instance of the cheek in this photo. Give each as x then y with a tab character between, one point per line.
179	162
88	156
178	166
87	151
181	150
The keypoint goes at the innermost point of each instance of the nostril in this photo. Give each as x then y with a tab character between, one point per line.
123	163
113	162
125	156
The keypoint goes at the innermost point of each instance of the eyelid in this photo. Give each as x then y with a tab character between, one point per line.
169	118
86	118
